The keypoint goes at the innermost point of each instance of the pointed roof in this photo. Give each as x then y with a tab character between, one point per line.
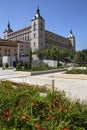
71	34
8	29
37	14
8	26
38	11
71	31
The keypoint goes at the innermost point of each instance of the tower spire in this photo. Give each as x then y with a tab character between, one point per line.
38	11
71	31
71	34
8	26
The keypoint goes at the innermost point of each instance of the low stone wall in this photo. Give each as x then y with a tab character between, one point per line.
48	71
37	81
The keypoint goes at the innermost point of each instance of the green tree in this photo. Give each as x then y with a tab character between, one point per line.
58	58
75	59
84	53
53	53
48	53
80	57
66	56
40	55
25	65
30	59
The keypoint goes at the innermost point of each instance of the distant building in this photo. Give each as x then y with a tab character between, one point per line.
36	37
7	48
16	49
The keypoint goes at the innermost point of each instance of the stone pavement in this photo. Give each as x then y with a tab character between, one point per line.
75	86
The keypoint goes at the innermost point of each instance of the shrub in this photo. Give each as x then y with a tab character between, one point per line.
22	108
39	68
6	65
19	67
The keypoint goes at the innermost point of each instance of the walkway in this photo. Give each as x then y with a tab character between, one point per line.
74	87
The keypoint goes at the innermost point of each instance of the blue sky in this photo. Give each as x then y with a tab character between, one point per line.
59	15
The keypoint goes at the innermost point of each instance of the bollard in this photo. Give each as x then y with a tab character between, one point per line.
53	84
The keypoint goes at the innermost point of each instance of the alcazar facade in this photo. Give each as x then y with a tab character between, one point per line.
38	37
17	43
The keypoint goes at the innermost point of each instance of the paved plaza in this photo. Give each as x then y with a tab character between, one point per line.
74	87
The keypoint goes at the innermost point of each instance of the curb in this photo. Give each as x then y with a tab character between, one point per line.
72	76
48	71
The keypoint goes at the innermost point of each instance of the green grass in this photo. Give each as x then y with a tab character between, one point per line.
77	71
39	68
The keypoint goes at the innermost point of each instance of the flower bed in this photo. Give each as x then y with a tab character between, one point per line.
23	108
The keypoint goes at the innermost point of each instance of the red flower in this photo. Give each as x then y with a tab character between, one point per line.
8	118
65	128
24	117
7	115
37	126
7	112
55	99
35	104
68	109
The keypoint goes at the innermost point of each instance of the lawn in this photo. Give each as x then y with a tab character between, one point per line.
77	71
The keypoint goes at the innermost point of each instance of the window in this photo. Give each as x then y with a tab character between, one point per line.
5	50
34	23
9	54
41	35
34	43
34	35
21	50
41	28
41	23
25	37
34	28
8	50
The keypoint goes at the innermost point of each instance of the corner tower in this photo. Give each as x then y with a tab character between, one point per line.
72	40
7	31
37	32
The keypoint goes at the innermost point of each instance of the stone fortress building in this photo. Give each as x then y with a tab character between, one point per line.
16	44
36	37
